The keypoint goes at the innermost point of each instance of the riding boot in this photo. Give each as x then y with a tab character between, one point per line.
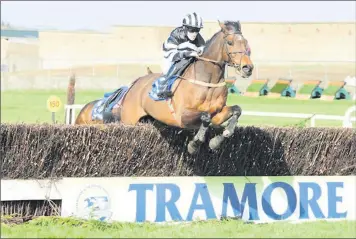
163	91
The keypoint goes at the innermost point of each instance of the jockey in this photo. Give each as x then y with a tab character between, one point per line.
184	42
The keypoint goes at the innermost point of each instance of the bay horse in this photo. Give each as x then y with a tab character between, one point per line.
199	94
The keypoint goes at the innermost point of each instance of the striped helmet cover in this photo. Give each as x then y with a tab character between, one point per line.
193	20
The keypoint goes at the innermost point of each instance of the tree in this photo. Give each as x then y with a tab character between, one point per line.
5	24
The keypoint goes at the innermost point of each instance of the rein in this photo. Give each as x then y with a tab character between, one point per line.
212	85
202	83
236	66
209	60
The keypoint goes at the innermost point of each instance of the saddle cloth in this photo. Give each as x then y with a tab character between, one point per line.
181	66
107	103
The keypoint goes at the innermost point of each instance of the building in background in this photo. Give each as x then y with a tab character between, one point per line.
19	49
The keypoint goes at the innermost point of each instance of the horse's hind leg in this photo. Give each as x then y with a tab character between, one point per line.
199	138
84	116
230	113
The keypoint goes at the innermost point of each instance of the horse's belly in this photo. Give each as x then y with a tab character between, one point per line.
191	119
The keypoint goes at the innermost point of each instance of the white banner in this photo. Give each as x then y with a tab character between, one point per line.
164	199
258	199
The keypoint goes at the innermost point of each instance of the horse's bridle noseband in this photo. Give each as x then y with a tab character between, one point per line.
236	66
221	64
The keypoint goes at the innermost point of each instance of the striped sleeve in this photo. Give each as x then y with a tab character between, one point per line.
170	48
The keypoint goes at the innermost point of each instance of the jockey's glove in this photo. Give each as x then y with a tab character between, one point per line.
187	54
187	46
193	54
200	50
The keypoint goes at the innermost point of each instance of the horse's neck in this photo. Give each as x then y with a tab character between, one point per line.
208	71
214	50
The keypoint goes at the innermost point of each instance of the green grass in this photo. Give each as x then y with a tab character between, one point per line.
73	228
228	85
255	87
306	89
331	90
30	107
289	105
279	87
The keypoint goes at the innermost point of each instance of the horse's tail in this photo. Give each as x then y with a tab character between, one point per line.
149	70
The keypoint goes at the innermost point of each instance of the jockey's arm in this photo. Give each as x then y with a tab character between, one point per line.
175	51
188	49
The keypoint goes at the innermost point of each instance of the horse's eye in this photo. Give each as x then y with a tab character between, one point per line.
229	42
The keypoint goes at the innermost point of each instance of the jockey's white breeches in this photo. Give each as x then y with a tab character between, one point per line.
166	64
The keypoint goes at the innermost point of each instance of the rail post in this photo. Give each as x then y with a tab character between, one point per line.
312	121
347	117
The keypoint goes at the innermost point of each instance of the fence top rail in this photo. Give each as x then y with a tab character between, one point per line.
76	106
296	115
277	114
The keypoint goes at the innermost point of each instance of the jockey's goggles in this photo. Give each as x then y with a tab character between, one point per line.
193	29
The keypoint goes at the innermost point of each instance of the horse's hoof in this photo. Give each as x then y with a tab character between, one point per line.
227	133
192	147
215	142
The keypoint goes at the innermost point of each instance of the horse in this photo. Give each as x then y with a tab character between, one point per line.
199	93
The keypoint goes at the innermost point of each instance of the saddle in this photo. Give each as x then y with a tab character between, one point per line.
182	65
112	98
106	104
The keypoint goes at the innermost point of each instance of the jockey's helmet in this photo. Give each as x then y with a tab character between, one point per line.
193	20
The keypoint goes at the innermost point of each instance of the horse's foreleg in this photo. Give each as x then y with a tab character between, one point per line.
230	113
199	138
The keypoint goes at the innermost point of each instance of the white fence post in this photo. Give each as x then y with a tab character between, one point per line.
347	117
67	114
73	116
70	109
312	121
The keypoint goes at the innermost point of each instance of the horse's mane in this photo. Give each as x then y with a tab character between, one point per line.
234	26
210	41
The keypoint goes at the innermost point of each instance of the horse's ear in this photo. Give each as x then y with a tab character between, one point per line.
238	26
222	25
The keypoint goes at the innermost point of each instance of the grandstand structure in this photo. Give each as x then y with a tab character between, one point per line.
19	49
299	51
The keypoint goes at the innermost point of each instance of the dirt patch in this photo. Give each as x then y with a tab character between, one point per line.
17	220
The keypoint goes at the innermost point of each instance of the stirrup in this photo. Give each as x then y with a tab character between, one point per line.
165	94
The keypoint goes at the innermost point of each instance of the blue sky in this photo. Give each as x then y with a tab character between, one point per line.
100	15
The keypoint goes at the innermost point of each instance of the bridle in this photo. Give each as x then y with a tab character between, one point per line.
236	66
220	64
228	62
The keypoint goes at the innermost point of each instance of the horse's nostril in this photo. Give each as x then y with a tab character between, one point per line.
246	69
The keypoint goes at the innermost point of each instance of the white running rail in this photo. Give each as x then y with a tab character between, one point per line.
346	119
70	112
